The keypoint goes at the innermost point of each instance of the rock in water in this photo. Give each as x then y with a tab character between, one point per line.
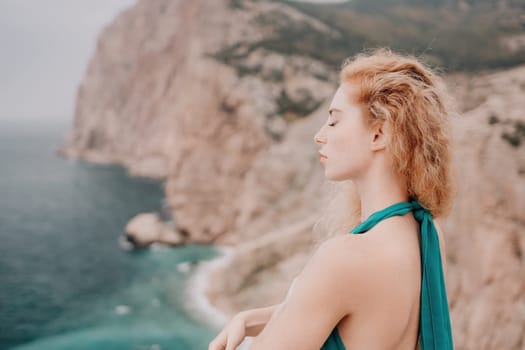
147	228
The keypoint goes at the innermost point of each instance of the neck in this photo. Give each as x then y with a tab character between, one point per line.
378	189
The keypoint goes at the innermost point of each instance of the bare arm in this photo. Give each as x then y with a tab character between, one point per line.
313	307
245	324
256	319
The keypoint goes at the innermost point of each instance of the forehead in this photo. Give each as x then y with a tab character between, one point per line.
344	97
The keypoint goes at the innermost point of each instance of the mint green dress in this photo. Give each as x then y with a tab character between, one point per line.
434	322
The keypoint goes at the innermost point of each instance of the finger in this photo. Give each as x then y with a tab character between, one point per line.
216	346
236	334
231	346
219	343
234	340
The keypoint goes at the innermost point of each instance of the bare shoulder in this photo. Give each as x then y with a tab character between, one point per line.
349	265
315	303
331	266
351	253
382	261
337	254
330	260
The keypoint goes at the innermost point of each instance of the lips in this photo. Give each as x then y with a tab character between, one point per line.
322	157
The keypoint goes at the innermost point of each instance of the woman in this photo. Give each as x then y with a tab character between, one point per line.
381	285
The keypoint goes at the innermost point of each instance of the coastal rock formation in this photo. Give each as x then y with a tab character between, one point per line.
147	228
204	95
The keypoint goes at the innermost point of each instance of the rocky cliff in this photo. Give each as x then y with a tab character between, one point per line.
193	92
486	230
206	95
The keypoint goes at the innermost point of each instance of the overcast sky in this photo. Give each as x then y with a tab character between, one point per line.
45	46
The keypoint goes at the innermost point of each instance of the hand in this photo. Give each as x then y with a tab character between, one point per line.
231	335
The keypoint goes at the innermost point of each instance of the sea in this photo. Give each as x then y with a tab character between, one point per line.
68	279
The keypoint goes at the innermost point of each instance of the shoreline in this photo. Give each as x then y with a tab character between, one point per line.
200	305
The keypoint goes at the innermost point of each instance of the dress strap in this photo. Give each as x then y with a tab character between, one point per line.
434	325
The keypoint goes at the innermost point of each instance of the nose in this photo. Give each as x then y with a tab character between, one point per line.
319	137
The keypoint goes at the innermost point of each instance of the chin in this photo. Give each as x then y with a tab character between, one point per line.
336	177
342	174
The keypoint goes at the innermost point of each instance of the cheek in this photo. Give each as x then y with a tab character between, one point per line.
350	157
350	142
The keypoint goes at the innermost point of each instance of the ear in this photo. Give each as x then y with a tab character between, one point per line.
379	136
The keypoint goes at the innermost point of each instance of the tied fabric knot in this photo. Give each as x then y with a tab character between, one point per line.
419	211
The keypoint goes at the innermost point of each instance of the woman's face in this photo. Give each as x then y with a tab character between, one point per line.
344	138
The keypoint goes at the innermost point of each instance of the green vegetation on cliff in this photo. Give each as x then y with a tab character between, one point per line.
466	35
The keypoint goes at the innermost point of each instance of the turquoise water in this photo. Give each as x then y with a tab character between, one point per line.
66	281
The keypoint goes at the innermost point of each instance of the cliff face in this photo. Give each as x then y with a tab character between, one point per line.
486	230
204	95
193	91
